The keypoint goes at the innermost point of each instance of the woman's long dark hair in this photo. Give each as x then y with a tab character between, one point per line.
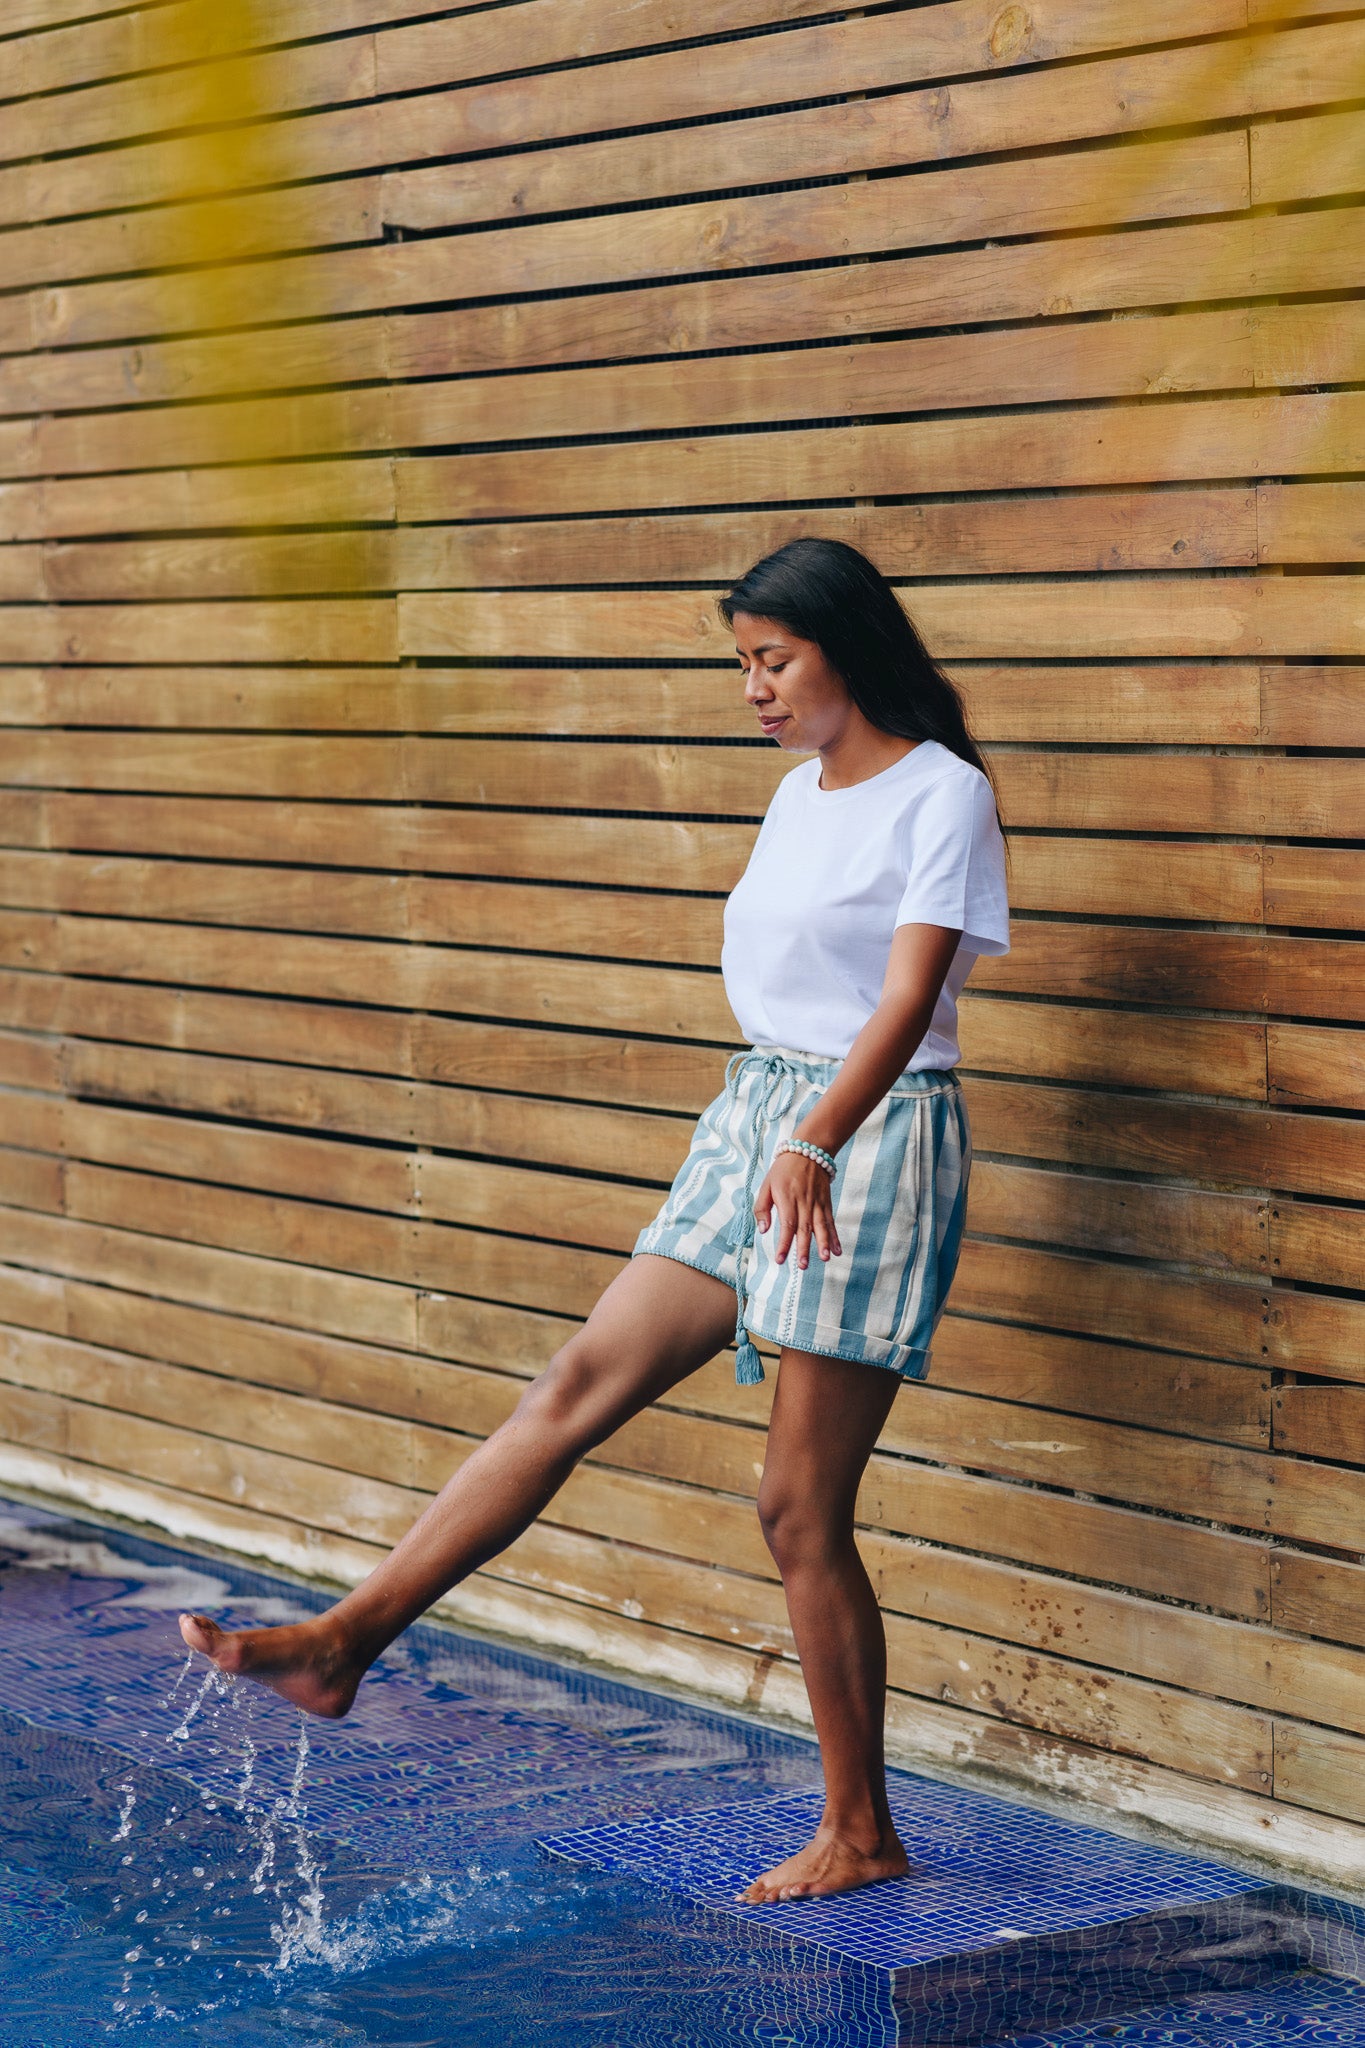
826	591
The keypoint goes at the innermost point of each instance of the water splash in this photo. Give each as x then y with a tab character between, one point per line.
184	1887
181	1675
125	1813
265	1867
229	1894
419	1913
299	1932
245	1782
214	1682
294	1805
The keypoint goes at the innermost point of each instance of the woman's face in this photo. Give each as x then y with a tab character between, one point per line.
801	700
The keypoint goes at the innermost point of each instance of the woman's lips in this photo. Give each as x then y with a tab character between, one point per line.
772	725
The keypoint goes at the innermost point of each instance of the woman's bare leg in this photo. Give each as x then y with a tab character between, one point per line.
656	1323
827	1416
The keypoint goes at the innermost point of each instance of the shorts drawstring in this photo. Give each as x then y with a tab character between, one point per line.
776	1087
902	1211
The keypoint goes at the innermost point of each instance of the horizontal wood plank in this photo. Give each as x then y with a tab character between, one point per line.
1022	281
1146	181
302	494
252	631
1169	878
376	765
1305	159
1086	447
308	217
1141	703
1163	618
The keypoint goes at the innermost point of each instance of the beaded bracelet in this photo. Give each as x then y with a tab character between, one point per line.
815	1152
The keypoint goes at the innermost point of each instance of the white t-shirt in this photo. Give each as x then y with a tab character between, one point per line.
834	871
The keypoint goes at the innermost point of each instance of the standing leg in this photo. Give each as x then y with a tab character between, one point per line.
827	1415
657	1322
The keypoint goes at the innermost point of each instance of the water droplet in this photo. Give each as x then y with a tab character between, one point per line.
125	1813
180	1733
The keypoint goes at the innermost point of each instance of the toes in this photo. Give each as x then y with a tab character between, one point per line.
199	1632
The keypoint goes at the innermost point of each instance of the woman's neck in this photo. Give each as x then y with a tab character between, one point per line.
856	756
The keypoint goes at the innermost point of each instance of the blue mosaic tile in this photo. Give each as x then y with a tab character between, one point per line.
985	1871
1291	2011
422	1810
1009	1916
445	1745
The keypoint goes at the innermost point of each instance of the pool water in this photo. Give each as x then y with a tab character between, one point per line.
189	1860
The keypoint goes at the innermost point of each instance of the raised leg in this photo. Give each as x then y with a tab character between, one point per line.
656	1323
827	1416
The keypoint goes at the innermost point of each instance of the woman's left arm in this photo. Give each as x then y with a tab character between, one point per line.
797	1186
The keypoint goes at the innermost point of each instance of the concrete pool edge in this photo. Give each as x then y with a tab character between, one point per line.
1312	1852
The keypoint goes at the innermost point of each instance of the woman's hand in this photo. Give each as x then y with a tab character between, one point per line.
801	1193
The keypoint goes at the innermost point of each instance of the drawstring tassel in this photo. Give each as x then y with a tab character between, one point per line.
748	1364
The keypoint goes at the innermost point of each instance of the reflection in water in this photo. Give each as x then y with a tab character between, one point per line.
188	1859
223	1871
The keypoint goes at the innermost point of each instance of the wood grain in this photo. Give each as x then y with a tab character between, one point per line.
375	766
1012	110
1137	702
1145	181
1084	447
1166	618
1023	281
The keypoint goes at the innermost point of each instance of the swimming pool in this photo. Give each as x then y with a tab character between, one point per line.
187	1858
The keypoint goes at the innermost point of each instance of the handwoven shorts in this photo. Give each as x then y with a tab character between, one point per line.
900	1198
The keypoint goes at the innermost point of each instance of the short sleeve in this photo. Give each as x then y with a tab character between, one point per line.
955	863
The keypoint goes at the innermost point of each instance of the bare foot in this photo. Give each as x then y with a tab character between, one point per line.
303	1662
831	1862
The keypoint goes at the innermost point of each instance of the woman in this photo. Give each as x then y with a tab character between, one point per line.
822	1198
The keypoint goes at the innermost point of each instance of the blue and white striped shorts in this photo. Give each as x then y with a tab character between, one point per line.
900	1199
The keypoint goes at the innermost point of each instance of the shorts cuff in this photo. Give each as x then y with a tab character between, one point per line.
906	1360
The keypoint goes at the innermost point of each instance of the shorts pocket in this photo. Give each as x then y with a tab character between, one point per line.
891	1229
936	1192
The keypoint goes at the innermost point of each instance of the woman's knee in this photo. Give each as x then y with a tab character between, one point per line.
797	1528
775	1517
566	1399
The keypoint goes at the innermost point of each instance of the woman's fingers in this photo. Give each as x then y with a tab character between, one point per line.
806	1227
826	1236
799	1191
787	1219
768	1200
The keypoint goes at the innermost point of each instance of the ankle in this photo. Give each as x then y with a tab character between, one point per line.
346	1644
865	1827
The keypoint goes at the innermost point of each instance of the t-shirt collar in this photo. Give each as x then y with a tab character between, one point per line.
871	784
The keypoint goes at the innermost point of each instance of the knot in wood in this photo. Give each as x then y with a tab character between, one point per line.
1011	32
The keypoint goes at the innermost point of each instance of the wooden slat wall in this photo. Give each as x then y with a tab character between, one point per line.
374	769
